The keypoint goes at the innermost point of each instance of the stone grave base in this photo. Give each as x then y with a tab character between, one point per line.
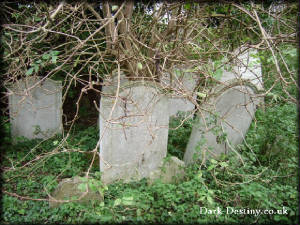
74	188
172	171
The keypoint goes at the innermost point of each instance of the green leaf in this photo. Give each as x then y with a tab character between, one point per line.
139	66
201	95
54	53
37	19
36	68
29	72
138	212
117	202
199	174
210	200
76	61
54	58
21	211
106	218
211	167
210	192
46	56
201	199
127	200
223	164
114	8
213	161
187	6
93	186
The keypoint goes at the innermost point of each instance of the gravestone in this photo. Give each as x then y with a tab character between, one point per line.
78	189
182	87
35	108
133	130
172	171
233	111
232	105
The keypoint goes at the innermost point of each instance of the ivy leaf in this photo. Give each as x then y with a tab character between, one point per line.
54	58
106	218
37	19
211	167
138	212
199	174
127	200
210	200
29	72
21	211
223	164
54	53
93	187
117	202
46	56
36	67
213	161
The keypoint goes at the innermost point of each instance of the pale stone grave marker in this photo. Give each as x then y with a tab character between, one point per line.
134	137
234	109
35	108
172	171
76	189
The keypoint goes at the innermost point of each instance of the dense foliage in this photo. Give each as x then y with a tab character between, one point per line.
268	179
270	184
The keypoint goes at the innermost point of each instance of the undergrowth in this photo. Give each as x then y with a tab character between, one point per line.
267	181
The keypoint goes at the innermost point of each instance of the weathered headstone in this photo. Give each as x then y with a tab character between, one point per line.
35	108
172	171
229	111
78	189
134	125
232	113
182	85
